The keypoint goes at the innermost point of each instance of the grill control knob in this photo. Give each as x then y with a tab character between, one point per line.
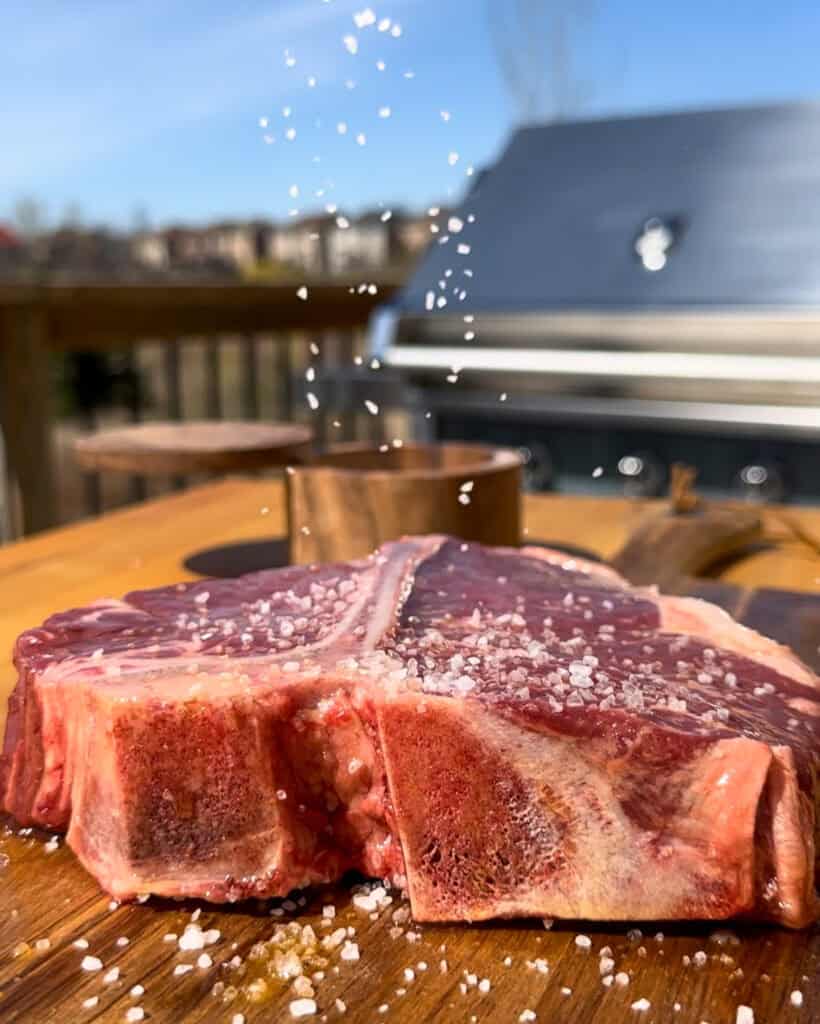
538	467
760	481
641	475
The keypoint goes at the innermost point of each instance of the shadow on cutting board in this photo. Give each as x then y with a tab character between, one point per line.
231	560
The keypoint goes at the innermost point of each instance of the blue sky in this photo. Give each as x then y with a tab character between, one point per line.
156	104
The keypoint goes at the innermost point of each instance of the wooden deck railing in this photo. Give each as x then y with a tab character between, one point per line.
36	322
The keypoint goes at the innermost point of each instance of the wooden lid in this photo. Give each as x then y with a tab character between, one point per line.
194	447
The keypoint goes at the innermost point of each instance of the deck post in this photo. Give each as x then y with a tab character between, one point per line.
26	418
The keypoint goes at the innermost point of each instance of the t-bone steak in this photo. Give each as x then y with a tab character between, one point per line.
500	732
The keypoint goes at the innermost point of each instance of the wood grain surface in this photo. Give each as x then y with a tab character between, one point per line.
47	896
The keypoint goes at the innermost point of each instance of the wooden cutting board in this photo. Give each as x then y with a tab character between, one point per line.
674	549
46	897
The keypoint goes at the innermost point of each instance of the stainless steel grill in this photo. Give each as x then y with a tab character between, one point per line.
643	290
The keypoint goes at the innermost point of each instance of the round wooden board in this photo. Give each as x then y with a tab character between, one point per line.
198	446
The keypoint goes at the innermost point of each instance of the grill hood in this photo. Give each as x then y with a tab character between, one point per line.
669	259
730	198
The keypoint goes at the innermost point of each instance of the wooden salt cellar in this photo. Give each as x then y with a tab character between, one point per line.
351	498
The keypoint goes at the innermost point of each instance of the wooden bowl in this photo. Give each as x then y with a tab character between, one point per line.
351	498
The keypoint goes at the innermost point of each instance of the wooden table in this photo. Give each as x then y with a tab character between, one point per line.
47	896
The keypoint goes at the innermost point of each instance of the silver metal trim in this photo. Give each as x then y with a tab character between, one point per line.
381	331
601	364
792	332
695	417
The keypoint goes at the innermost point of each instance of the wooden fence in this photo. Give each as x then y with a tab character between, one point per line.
38	322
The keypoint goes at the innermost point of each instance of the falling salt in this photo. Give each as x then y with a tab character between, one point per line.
312	400
361	139
745	1015
91	963
452	159
384	112
134	1013
641	1005
796	998
302	293
364	18
385	217
111	976
598	471
463	250
371	407
351	44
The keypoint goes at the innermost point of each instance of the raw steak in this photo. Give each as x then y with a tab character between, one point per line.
501	732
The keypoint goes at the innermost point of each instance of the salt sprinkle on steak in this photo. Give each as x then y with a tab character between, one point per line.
502	732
